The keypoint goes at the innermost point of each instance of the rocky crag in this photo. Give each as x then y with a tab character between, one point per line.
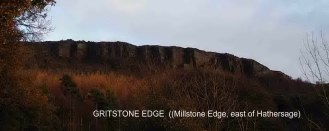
120	55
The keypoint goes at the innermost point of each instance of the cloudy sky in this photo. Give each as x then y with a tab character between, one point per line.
269	31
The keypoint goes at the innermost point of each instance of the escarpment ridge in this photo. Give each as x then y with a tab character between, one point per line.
115	55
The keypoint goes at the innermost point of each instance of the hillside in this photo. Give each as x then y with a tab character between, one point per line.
83	76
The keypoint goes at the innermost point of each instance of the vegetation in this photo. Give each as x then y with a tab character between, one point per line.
314	62
178	89
22	104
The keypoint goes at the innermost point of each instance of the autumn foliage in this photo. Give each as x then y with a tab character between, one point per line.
77	94
23	106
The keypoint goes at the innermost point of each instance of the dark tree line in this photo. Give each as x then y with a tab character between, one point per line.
23	106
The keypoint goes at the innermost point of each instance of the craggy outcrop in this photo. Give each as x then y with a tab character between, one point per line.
122	55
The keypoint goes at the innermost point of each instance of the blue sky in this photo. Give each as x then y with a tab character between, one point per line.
269	31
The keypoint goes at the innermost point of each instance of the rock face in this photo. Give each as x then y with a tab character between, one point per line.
123	55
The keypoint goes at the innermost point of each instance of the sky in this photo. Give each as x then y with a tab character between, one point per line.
271	32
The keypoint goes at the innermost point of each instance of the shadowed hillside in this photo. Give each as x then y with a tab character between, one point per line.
78	77
120	55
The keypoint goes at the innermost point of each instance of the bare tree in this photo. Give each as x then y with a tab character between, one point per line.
314	63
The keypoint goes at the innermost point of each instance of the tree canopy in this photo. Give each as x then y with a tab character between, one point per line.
23	19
